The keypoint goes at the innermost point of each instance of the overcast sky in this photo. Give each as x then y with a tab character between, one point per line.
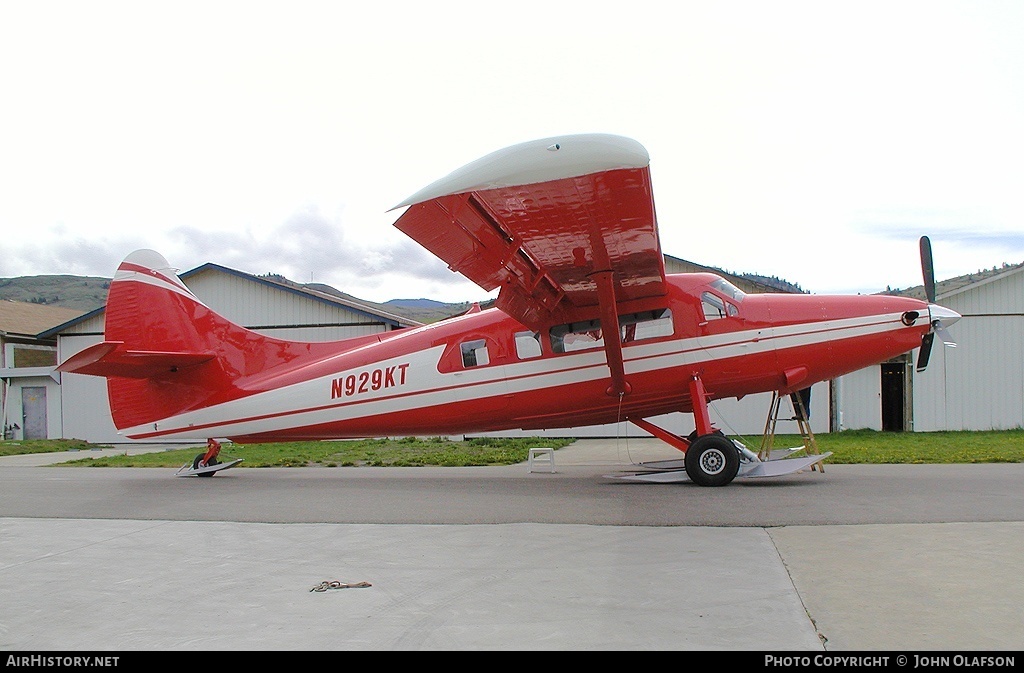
813	141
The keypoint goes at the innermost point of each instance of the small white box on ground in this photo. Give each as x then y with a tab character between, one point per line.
543	456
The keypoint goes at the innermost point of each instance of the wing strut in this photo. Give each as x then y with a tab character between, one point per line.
610	332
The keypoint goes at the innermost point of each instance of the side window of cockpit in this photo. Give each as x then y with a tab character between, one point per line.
714	308
474	353
527	345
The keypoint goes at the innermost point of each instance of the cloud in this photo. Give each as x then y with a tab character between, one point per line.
308	246
73	256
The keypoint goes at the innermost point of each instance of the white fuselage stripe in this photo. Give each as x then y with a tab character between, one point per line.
160	282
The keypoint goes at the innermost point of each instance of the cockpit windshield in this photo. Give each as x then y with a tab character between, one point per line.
728	289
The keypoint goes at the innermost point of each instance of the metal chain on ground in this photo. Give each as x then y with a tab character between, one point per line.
325	585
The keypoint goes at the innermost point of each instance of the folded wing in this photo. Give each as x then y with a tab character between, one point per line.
563	226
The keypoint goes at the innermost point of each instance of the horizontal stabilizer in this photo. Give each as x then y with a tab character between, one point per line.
109	359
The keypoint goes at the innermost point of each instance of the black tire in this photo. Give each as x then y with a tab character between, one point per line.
692	437
712	460
195	465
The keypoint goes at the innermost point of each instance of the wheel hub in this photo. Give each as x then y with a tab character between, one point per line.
712	462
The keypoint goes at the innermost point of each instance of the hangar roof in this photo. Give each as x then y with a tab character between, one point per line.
960	283
26	318
281	283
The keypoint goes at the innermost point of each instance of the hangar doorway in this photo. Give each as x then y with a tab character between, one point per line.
896	410
33	412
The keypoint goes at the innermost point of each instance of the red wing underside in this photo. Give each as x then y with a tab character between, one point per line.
549	246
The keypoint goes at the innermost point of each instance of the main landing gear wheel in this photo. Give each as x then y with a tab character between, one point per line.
712	460
196	466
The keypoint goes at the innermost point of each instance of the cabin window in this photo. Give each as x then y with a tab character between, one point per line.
474	353
645	325
527	345
577	336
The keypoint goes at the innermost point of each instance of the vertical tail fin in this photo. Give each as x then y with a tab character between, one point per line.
165	352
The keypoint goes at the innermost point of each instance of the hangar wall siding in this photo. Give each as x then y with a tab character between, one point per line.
85	413
269	310
979	385
860	399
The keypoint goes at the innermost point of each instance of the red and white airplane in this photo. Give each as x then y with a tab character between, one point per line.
587	328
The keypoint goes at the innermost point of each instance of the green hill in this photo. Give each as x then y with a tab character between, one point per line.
83	293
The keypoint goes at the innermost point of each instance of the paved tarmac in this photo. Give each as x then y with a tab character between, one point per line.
889	559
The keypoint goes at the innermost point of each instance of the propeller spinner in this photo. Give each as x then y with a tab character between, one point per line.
940	317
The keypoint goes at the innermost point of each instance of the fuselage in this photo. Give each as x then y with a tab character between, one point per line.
485	371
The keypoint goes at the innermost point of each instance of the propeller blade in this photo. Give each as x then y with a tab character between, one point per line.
944	334
926	351
940	316
928	269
